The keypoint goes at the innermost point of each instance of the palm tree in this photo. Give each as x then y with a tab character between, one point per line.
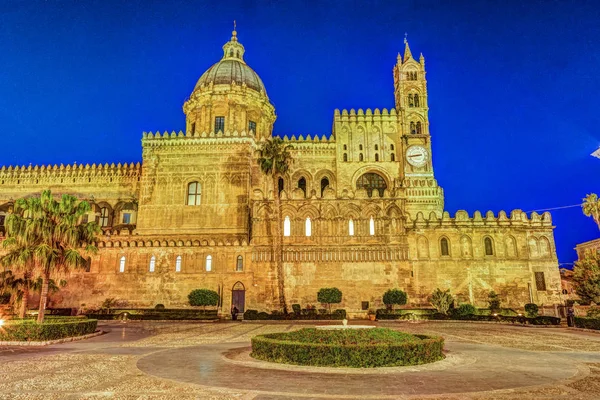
19	288
274	161
52	229
591	207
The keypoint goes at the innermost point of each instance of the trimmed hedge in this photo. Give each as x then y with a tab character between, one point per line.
383	314
29	330
587	323
359	348
306	314
154	314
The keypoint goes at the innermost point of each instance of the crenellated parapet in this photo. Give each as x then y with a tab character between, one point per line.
363	116
149	138
44	174
461	219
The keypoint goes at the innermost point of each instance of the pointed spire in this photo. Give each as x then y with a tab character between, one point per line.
407	53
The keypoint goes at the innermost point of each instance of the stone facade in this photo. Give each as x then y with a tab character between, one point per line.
361	209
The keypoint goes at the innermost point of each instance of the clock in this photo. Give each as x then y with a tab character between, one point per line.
417	156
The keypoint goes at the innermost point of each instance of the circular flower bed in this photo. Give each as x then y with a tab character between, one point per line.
361	348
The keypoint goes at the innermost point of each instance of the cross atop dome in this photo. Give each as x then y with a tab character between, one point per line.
233	49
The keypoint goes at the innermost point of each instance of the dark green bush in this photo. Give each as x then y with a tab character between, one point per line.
203	297
29	330
348	348
251	315
587	323
262	315
465	309
154	314
531	310
394	297
593	312
329	296
340	313
494	301
296	308
159	307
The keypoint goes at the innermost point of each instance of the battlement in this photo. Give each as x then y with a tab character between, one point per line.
362	116
308	138
517	218
131	169
181	135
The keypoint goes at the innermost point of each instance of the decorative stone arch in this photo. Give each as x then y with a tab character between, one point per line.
488	243
371	210
328	211
545	247
445	246
324	174
308	210
533	246
422	247
297	175
264	211
510	246
372	168
350	210
466	246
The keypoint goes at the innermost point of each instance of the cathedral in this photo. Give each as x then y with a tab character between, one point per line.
361	210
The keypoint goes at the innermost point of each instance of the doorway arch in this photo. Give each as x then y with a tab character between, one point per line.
238	296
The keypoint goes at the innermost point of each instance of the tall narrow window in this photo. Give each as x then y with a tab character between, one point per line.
444	247
376	147
324	184
287	226
104	217
345	147
239	266
416	100
345	157
360	157
251	126
126	218
413	129
208	263
122	264
194	193
418	128
360	147
308	227
280	185
410	101
302	185
540	281
391	147
219	124
178	264
351	227
393	157
152	263
193	127
376	157
489	247
371	226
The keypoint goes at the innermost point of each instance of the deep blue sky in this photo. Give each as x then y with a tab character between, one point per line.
513	86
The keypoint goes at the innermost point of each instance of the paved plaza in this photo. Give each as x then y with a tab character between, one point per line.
156	360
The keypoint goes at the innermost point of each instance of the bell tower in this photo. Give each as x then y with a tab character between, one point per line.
410	92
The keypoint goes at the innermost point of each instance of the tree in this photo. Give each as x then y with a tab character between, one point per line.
274	162
203	297
329	296
591	207
441	300
394	296
20	287
586	277
494	301
21	257
52	230
531	309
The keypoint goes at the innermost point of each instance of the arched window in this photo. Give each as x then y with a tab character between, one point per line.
360	146
302	185
489	246
360	157
371	181
178	264
393	157
416	100
444	247
208	266
345	157
231	53
239	266
376	157
280	184
122	264
413	129
345	147
410	101
371	226
418	128
194	193
324	184
351	227
152	263
308	227
391	147
376	147
104	217
287	226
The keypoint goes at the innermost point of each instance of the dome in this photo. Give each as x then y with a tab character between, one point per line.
232	68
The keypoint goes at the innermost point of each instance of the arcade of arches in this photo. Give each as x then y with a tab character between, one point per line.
361	210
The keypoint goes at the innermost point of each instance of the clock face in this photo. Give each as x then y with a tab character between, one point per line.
417	156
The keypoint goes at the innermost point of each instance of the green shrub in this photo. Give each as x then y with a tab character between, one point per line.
340	313
203	297
465	309
159	307
494	301
531	310
251	315
593	312
329	296
543	320
262	315
441	300
394	297
153	314
296	308
29	330
348	348
587	323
